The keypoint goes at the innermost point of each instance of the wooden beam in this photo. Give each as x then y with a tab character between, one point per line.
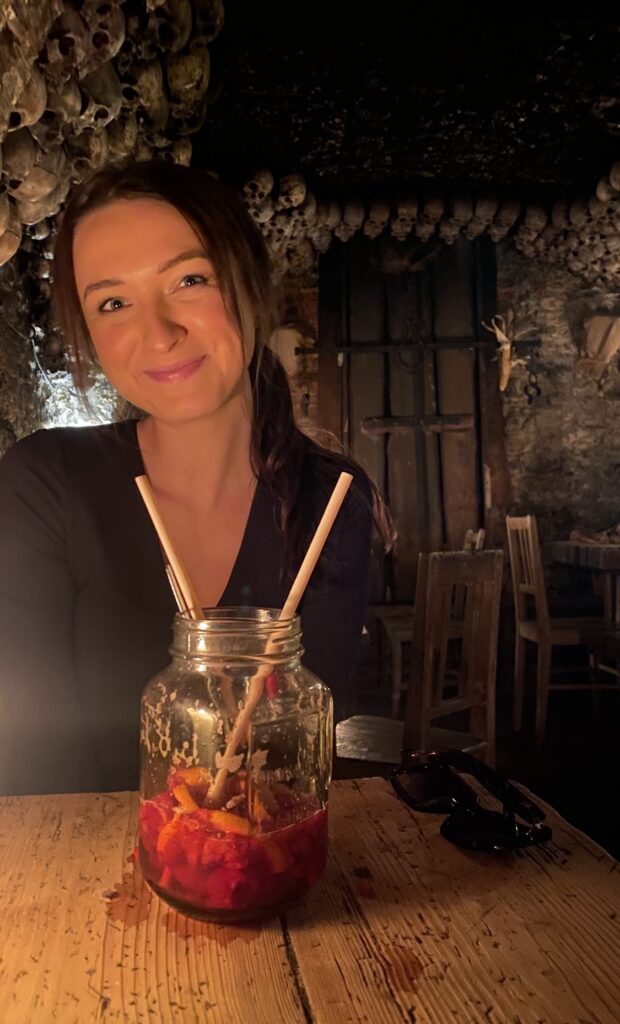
495	469
329	383
374	425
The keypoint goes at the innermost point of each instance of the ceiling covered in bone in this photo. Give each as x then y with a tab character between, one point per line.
392	120
359	95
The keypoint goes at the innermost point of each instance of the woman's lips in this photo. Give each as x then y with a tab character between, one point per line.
178	372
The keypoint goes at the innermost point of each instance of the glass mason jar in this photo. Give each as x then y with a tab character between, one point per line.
234	824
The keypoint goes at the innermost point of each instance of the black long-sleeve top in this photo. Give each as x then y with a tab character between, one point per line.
86	609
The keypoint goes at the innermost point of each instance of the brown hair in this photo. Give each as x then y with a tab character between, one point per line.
279	450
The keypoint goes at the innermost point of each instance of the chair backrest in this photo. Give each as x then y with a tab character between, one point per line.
471	687
474	542
526	569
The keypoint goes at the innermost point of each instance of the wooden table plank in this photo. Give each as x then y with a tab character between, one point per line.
404	927
420	930
83	939
605	558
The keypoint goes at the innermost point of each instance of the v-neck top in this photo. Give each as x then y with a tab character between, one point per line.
86	610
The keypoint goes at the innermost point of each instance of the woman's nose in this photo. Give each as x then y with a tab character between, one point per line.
160	331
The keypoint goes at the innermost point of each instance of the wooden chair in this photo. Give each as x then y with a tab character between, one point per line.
433	694
396	623
534	625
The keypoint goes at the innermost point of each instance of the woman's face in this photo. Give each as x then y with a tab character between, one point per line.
155	312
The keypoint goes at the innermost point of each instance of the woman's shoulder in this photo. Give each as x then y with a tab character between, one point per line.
48	454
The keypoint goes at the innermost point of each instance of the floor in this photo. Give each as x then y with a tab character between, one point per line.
577	771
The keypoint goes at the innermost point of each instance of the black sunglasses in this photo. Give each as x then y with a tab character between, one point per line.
433	782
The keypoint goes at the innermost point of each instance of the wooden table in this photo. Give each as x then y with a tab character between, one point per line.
601	558
405	927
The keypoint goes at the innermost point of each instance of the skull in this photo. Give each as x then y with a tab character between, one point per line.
19	151
143	151
68	43
5	207
378	216
179	153
307	210
263	212
292	192
47	132
188	76
47	170
102	89
35	210
333	216
604	190
485	210
144	90
65	101
578	213
31	103
122	136
559	215
40	231
504	220
106	31
209	17
11	236
353	216
87	152
259	187
321	238
168	28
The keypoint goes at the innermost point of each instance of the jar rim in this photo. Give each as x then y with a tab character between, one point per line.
231	616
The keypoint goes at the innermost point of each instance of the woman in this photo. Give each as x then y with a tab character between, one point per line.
162	279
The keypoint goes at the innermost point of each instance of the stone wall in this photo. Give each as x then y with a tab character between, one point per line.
563	444
20	394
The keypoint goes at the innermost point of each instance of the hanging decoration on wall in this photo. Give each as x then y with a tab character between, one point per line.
601	344
503	327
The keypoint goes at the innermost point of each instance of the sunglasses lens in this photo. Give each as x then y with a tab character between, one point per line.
478	829
432	788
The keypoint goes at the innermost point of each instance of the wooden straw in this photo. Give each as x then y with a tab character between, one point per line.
183	583
215	796
176	590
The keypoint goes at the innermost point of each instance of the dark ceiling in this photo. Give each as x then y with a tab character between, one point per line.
362	100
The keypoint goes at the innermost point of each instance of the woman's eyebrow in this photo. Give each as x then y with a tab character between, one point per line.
111	282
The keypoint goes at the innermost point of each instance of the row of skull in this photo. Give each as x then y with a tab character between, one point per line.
584	235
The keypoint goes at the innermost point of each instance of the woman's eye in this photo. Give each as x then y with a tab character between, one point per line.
192	279
110	305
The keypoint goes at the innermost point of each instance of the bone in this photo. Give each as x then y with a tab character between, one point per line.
209	17
102	89
291	192
188	74
11	236
505	219
485	209
31	104
168	28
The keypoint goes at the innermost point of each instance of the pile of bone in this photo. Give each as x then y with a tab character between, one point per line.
582	235
96	81
297	226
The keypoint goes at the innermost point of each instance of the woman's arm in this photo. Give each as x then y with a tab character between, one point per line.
42	741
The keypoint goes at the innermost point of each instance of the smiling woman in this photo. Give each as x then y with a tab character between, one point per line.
163	281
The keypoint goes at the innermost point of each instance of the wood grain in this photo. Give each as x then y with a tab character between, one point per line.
404	927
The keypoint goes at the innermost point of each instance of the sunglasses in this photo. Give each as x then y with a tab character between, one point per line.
434	782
